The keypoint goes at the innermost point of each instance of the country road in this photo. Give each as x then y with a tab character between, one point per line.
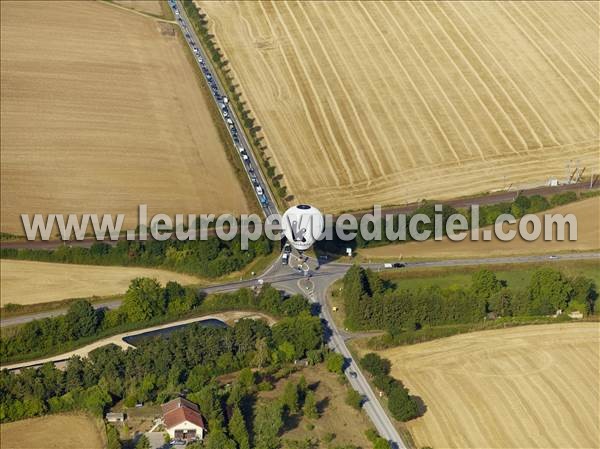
286	278
492	198
314	283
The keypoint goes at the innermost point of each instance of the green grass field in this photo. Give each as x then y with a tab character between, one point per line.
516	276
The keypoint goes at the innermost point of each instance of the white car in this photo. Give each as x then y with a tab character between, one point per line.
259	190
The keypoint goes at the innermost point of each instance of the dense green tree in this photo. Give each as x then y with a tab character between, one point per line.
549	291
267	425
381	443
310	405
216	439
334	362
401	405
290	398
143	300
81	320
356	293
584	293
501	302
238	429
484	284
520	206
537	203
262	353
354	399
304	332
295	305
142	443
112	437
375	365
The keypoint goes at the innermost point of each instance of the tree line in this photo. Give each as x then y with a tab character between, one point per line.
145	303
200	23
488	214
209	258
402	406
371	303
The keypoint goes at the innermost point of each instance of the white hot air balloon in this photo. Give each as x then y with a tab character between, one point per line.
302	226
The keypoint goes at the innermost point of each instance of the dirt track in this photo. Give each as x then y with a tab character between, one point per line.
102	111
393	102
527	387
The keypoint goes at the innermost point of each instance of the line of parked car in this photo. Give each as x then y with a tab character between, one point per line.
223	103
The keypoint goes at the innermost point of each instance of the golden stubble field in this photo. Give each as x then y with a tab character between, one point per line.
587	213
389	102
526	387
25	282
53	432
101	111
145	6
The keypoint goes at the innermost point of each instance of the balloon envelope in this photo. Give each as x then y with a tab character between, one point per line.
302	226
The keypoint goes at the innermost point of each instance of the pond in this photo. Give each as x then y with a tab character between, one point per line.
165	332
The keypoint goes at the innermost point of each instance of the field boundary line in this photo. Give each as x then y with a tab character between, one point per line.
139	13
468	67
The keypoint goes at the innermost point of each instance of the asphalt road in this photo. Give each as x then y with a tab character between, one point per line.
236	131
409	208
336	341
286	277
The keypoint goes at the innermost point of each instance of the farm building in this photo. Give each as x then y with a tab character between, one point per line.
115	417
182	420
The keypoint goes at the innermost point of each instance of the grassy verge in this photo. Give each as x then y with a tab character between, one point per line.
12	310
515	275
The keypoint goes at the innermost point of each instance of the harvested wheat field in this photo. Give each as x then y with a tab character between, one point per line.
145	6
526	387
587	213
25	282
388	102
102	111
53	432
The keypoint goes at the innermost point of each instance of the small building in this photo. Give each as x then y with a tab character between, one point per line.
182	420
115	417
576	315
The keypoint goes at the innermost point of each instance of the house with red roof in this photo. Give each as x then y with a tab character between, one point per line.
182	420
